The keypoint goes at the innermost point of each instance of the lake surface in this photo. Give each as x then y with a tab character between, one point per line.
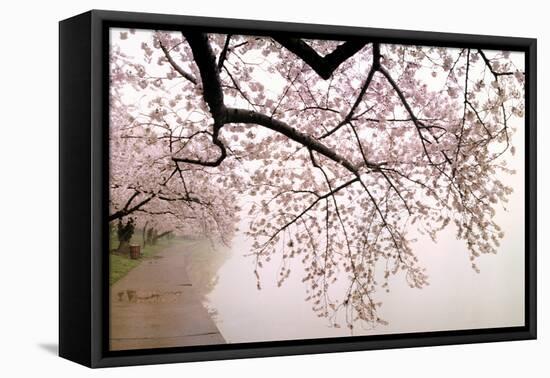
457	297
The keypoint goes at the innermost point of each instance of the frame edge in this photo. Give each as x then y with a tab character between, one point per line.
99	17
74	192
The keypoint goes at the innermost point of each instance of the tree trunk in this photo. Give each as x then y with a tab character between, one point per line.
124	247
150	236
144	234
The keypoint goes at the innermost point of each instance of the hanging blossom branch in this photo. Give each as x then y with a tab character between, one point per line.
213	95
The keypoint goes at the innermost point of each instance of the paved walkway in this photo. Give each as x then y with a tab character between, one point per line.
156	306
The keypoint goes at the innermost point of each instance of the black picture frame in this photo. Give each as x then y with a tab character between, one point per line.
83	137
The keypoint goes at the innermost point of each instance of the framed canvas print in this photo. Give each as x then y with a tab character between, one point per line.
233	188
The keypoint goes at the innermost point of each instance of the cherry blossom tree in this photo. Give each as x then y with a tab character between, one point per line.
145	182
344	147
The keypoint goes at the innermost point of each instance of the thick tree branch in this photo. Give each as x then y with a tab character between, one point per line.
251	117
324	66
128	210
213	95
210	78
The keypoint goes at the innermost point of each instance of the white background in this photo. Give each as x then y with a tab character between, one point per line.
29	190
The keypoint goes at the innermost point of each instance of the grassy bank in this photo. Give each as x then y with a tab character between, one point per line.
120	264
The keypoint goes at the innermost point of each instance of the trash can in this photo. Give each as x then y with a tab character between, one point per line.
135	251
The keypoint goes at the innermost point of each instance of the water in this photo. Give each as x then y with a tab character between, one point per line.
457	298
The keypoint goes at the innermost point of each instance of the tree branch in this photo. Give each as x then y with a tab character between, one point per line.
375	66
176	66
213	95
324	66
251	117
490	66
223	54
206	61
207	163
128	210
